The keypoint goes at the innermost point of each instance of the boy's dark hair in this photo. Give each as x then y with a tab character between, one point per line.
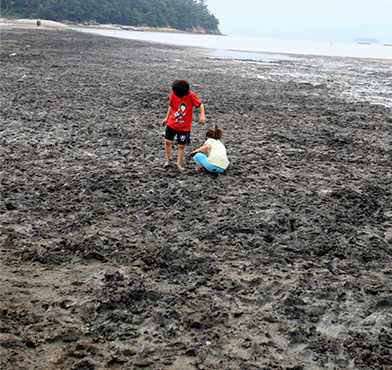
180	88
215	134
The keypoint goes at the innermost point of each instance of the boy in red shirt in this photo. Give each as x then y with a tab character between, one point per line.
179	119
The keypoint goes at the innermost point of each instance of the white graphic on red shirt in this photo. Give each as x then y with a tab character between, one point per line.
180	113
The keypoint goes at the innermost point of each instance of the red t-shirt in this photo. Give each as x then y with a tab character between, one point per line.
182	111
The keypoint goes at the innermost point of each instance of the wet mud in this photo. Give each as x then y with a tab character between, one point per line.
110	261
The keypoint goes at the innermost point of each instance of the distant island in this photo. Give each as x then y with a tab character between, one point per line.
184	15
367	41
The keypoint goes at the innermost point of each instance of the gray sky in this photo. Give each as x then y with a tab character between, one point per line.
330	20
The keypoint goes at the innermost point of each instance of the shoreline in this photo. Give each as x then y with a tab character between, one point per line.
246	44
48	24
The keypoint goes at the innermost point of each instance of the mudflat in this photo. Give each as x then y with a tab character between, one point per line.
110	261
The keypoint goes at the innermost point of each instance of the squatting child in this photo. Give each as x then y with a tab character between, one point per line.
215	158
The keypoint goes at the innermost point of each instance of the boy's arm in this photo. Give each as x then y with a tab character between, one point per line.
167	116
202	118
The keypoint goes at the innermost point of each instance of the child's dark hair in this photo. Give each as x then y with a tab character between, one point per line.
180	88
215	134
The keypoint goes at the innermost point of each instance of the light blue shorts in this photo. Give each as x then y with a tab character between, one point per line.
202	159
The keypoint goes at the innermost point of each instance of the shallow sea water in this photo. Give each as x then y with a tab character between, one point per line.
254	44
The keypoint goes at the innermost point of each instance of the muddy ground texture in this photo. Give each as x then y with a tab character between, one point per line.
110	261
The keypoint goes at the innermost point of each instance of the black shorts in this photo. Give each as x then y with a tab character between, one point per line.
183	137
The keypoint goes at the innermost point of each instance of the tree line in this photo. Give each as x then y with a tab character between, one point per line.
177	14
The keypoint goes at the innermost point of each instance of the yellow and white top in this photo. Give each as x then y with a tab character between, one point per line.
217	155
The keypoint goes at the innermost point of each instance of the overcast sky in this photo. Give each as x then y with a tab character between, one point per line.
330	20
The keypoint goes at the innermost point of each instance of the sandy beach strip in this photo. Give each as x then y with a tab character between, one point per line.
48	24
29	24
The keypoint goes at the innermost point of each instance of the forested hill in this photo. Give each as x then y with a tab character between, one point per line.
177	14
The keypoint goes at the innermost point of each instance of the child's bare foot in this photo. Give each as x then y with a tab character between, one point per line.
180	168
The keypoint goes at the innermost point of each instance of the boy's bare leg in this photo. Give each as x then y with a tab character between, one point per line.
168	149
181	152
